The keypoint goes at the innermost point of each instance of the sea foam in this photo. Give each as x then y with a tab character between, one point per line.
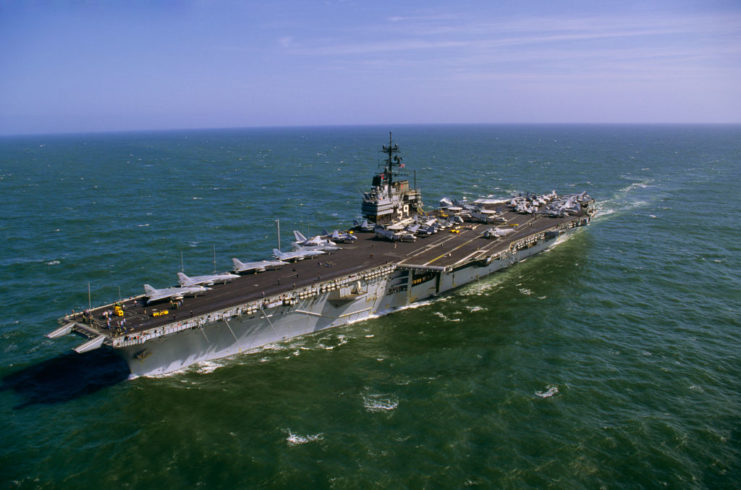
549	392
298	440
380	402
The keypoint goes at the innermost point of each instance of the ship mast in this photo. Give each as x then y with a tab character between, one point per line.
393	159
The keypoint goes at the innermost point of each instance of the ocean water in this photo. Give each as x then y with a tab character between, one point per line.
610	361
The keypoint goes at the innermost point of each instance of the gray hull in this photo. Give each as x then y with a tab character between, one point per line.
246	328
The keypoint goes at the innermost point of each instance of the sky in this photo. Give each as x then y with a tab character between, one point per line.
87	66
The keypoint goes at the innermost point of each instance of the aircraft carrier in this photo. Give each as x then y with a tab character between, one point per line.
398	255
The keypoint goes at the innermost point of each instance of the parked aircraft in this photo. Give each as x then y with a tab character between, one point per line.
498	232
398	236
314	243
343	237
208	280
258	266
153	294
364	226
296	255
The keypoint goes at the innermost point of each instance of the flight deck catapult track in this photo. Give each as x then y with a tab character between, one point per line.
365	278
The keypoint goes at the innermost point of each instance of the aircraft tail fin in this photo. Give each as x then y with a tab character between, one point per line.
183	279
299	236
149	290
277	253
238	264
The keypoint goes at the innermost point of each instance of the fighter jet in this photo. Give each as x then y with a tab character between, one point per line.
498	232
429	227
398	236
425	230
153	294
483	216
338	237
259	266
364	226
314	243
296	255
208	280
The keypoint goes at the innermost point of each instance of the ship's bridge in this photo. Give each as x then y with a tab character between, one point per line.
389	199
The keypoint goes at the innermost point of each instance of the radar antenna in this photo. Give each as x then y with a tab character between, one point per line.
393	160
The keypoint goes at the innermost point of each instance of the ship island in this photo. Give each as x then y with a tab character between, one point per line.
397	254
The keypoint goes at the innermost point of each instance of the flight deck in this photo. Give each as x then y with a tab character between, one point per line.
448	249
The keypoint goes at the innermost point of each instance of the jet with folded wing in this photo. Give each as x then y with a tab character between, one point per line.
394	236
339	237
296	255
314	243
258	266
153	294
498	232
208	280
364	226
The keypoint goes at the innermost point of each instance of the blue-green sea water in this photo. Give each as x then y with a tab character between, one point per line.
610	361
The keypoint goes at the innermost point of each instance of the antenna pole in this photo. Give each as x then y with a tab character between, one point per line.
277	225
214	245
391	169
89	299
182	269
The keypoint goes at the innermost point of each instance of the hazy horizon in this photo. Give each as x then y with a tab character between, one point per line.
386	127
